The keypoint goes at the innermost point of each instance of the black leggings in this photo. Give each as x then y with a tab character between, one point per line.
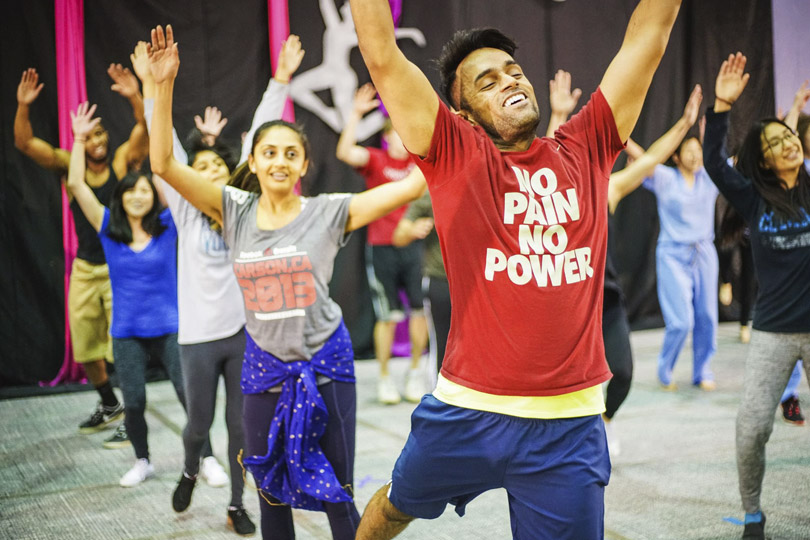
337	444
437	310
616	335
203	363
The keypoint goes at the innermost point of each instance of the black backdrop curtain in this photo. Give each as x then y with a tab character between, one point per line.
225	62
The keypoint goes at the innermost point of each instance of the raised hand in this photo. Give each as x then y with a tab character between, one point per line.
560	97
83	121
365	99
731	80
692	108
29	87
802	96
289	58
164	58
211	125
124	82
140	62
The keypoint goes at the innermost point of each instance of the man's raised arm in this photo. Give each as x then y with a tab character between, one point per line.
627	79
407	94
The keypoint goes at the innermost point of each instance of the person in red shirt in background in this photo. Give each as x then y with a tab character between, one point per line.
390	268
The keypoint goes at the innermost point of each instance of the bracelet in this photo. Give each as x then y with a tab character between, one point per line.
727	102
79	139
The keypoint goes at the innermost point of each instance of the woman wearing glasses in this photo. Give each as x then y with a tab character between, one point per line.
770	188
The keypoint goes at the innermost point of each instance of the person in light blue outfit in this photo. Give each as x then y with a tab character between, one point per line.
686	262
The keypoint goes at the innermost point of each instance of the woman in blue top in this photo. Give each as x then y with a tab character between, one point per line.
770	188
686	262
298	372
140	243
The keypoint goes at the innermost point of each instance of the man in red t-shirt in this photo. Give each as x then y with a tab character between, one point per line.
522	223
389	268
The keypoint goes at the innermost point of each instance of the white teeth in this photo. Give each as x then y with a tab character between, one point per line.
514	100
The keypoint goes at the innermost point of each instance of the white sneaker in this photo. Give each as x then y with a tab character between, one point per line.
213	473
138	473
387	393
414	385
614	447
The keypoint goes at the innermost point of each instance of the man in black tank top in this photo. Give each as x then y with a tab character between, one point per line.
89	296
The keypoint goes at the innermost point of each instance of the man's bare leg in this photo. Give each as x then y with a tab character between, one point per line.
387	392
96	372
381	520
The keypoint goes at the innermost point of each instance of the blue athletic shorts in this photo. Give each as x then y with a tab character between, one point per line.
554	471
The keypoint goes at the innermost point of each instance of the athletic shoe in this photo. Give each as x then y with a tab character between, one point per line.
745	334
671	387
387	393
707	386
791	412
755	531
137	474
101	418
614	447
181	497
414	385
213	473
239	522
119	439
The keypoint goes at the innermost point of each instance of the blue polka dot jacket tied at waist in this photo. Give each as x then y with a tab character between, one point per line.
295	471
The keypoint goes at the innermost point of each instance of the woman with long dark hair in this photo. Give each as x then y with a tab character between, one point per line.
298	373
770	188
140	243
212	319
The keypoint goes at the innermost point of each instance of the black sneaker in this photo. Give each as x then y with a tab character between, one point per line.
181	497
119	439
791	412
239	521
101	418
755	531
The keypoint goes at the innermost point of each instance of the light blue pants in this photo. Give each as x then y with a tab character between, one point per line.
793	383
687	294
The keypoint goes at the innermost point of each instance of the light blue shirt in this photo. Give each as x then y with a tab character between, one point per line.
686	214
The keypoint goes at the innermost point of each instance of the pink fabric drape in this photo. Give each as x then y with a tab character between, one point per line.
72	90
278	22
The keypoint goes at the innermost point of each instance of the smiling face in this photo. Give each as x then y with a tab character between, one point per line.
494	93
279	160
138	201
211	167
97	145
781	149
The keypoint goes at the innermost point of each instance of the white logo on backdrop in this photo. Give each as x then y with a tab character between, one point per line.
335	73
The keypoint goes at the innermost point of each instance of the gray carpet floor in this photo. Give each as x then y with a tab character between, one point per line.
674	479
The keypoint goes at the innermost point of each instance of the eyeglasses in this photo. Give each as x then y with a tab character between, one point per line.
775	144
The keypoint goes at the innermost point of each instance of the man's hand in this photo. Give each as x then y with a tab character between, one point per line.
562	100
124	82
365	100
164	58
730	83
211	125
422	227
140	62
83	121
29	87
289	58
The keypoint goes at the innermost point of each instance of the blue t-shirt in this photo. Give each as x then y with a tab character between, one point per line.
686	213
144	283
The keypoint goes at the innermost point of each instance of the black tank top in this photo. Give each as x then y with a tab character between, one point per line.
90	248
613	297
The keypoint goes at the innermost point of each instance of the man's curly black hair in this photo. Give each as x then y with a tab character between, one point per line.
460	46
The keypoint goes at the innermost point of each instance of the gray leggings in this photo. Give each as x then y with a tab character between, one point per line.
771	357
203	363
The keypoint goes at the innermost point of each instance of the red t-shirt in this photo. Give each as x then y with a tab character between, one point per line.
380	169
523	237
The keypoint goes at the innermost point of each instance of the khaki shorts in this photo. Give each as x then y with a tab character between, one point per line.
90	311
